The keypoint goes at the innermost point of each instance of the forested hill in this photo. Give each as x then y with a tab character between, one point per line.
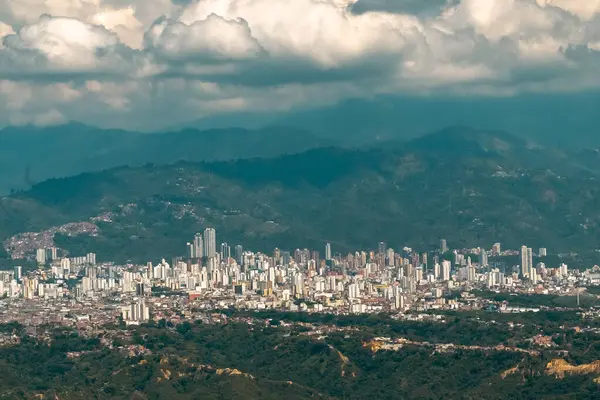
471	187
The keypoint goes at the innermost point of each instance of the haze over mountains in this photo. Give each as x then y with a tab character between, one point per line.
29	154
563	119
474	186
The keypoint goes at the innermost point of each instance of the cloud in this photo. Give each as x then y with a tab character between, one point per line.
62	48
213	38
124	61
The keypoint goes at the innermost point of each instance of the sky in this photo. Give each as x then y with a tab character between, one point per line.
151	64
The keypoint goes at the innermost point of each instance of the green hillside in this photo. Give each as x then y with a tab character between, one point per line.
473	188
253	361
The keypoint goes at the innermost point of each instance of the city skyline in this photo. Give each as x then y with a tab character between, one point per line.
412	267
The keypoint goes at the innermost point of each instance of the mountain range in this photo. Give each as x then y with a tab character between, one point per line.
472	187
562	120
29	154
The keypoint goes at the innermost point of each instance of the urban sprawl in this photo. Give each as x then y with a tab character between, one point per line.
80	292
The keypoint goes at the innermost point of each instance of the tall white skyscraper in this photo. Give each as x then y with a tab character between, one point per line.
526	261
443	245
90	258
210	243
446	265
225	251
483	258
390	257
197	250
524	270
353	291
530	260
40	256
328	251
471	273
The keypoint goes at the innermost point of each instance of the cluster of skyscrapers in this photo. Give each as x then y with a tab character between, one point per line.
42	256
203	245
361	281
528	270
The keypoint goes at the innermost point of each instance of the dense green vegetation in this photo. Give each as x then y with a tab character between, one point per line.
488	188
542	300
281	362
465	328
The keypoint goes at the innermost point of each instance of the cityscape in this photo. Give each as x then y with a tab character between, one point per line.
80	291
299	199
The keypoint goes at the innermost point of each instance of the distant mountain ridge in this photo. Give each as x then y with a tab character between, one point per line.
563	120
31	154
488	187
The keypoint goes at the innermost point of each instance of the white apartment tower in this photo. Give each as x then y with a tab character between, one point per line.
328	251
210	243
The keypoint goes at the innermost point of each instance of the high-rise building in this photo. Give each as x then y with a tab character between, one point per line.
353	291
285	257
225	251
239	253
381	248
314	255
91	272
543	252
328	251
496	249
471	273
137	312
277	255
139	289
443	246
483	258
564	269
419	274
459	259
210	243
40	256
524	265
533	276
197	246
18	272
298	256
495	278
446	265
526	261
91	258
52	253
390	257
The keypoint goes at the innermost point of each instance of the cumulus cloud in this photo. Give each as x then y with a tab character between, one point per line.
61	48
126	60
212	38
